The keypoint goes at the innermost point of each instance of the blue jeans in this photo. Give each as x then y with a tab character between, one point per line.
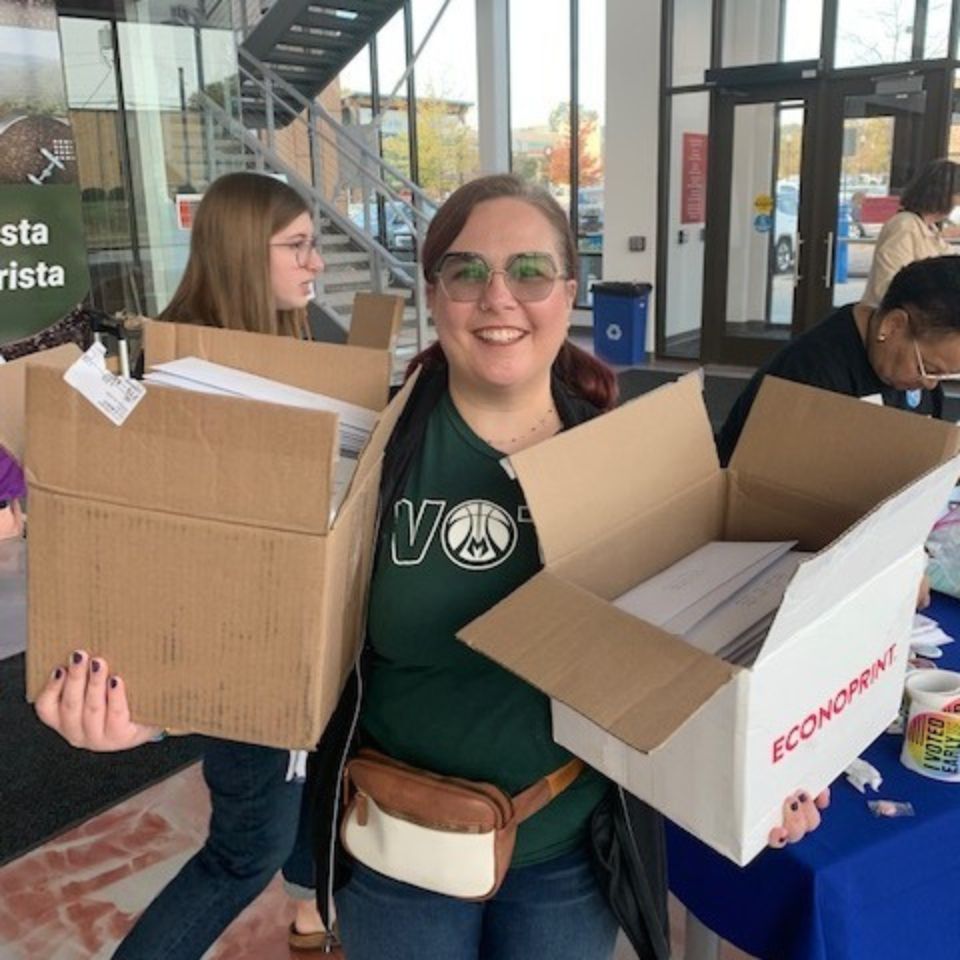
549	911
255	829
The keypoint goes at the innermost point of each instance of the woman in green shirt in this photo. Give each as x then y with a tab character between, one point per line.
456	538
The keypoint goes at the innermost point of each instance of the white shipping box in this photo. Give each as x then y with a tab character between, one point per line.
716	747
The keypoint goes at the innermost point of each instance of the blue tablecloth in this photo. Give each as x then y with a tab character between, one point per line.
860	887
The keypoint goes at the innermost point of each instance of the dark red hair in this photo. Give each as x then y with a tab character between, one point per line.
580	372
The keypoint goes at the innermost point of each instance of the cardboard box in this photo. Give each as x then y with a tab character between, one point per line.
13	393
192	547
715	747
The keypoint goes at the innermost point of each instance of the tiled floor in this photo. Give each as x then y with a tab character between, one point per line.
75	898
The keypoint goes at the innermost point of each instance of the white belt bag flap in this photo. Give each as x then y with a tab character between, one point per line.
443	834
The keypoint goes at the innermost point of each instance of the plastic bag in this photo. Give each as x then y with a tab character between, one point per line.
943	547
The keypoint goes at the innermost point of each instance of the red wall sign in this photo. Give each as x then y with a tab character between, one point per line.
693	183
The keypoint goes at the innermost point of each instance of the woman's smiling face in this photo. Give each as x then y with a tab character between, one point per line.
497	340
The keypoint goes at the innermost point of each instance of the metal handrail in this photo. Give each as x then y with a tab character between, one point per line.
420	218
316	109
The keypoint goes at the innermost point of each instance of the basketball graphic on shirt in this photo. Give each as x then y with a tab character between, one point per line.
478	535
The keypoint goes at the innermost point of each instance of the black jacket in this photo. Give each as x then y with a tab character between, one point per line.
627	835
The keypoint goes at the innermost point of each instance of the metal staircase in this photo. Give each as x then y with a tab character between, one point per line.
371	218
306	43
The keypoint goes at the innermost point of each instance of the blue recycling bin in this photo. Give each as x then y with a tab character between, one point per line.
842	257
620	321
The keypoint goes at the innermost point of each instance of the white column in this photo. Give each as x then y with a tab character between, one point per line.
631	132
493	94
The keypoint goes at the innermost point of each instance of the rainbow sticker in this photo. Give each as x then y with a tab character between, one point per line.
931	745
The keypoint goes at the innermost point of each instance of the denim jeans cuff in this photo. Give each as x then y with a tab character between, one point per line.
297	892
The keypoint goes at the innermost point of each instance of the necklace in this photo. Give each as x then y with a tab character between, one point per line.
522	436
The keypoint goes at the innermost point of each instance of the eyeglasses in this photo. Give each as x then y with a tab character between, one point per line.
932	377
302	249
465	277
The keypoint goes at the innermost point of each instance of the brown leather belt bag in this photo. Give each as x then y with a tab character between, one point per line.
443	834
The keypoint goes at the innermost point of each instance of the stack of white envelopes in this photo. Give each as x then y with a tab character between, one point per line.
202	376
192	373
721	598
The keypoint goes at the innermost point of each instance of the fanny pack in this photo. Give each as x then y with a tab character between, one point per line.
442	834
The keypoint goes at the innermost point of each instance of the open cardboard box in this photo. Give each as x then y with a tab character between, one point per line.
716	747
192	547
13	393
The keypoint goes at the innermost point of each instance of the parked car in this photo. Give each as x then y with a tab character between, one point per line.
785	227
590	210
399	233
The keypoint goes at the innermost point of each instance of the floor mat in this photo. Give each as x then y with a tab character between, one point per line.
47	786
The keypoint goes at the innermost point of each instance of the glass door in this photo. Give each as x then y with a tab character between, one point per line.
756	257
801	179
881	131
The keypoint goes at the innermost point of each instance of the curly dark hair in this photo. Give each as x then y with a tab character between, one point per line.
929	291
932	190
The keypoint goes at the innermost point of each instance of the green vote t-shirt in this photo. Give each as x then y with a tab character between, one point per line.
461	539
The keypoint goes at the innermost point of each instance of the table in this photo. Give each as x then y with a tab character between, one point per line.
859	888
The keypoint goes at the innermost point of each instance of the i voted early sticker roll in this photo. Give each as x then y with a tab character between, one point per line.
931	740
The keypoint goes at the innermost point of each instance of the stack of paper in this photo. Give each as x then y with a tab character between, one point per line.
927	637
721	598
192	373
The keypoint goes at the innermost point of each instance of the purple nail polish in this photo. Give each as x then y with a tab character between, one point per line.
113	683
77	657
57	674
794	806
95	666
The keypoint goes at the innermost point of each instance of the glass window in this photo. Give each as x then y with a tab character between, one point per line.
874	31
764	204
689	128
88	61
355	78
592	88
800	29
953	143
448	150
171	149
590	198
391	64
751	32
692	24
938	29
771	31
540	98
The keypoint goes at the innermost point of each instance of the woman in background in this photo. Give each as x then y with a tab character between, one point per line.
898	352
914	233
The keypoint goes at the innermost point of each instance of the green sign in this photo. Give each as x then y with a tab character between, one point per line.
43	260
